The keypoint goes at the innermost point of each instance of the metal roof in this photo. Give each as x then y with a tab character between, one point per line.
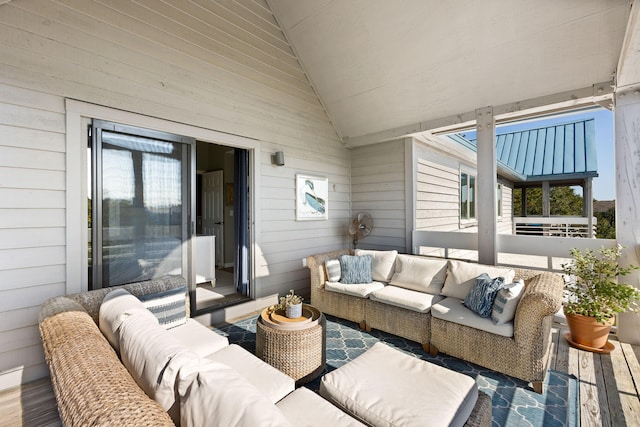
559	151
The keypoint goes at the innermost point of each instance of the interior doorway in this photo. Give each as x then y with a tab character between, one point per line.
217	193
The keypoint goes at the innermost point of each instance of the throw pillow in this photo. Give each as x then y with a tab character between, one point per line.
506	302
461	276
355	269
333	270
168	306
382	263
483	293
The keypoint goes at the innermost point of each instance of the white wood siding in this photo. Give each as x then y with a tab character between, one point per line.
437	197
221	65
505	222
378	187
32	221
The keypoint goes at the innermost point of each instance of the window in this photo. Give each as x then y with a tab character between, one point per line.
499	199
467	196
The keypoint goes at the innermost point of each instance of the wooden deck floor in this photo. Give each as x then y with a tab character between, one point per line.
608	388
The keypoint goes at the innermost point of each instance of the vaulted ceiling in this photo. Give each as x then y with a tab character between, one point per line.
378	65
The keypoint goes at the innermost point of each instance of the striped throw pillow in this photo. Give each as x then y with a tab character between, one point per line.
506	303
483	293
333	270
168	306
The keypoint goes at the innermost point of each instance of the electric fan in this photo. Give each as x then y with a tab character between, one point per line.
360	227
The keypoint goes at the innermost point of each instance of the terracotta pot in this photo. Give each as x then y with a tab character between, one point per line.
587	332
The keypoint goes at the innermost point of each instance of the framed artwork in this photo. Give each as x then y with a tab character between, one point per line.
312	198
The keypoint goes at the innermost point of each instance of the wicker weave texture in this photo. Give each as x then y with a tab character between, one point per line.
347	307
91	300
92	387
299	353
408	324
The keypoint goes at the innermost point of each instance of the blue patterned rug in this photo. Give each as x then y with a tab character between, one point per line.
514	403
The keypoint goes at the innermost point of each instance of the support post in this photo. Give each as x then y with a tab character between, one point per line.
523	196
487	181
627	162
587	198
546	199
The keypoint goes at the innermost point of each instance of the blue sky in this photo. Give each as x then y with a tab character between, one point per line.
604	184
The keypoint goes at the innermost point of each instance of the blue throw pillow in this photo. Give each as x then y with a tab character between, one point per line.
355	269
483	293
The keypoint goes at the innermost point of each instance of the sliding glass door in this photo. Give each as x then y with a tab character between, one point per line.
141	206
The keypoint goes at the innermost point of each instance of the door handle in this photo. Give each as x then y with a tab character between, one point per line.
218	223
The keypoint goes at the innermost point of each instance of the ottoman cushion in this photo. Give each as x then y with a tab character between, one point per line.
385	387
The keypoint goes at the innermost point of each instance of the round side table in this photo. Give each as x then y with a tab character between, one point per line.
298	350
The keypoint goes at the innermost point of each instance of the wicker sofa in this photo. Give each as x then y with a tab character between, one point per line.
523	355
93	386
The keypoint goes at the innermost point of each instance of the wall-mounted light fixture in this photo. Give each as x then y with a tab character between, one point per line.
278	158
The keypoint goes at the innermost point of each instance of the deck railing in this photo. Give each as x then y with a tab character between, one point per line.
537	252
559	226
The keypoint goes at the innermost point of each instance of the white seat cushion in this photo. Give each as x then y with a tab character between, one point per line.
198	338
214	395
386	387
405	298
359	290
271	382
453	310
462	275
382	263
304	408
420	273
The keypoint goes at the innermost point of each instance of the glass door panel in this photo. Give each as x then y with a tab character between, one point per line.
141	194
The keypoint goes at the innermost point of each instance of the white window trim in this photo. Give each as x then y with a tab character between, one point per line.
466	222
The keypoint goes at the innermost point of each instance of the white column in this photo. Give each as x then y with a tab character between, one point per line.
627	157
587	198
486	198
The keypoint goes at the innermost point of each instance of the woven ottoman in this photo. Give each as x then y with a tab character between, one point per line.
386	387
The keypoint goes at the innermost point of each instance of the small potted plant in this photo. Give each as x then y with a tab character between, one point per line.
291	304
593	295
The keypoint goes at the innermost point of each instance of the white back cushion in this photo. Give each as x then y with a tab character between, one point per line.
461	276
419	273
153	358
214	395
116	306
382	263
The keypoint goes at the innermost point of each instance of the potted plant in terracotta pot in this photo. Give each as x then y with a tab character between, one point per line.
593	296
291	304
